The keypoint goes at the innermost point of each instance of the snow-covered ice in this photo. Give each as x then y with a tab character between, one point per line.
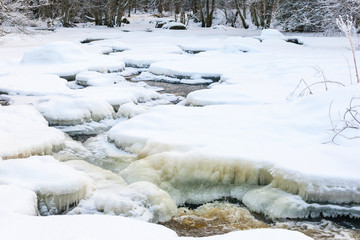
222	146
140	200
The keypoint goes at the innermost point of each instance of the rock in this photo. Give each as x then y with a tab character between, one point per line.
125	20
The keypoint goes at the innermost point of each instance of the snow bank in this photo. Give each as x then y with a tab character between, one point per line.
18	200
90	227
140	200
24	132
57	186
32	84
71	111
200	154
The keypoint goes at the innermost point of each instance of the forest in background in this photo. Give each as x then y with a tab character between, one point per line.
286	15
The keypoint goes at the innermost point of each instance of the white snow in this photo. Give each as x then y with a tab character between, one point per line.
110	227
130	110
24	132
32	84
91	78
18	200
72	111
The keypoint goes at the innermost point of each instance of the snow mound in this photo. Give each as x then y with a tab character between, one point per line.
24	132
174	26
55	52
66	59
58	186
130	110
65	111
18	200
271	34
91	78
32	84
140	200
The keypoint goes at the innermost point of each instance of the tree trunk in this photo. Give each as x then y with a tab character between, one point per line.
245	25
202	19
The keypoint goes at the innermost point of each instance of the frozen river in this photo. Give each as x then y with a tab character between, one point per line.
204	131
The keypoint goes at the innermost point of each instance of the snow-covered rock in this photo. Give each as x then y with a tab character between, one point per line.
32	84
67	59
66	111
130	110
91	78
58	186
24	132
174	26
271	34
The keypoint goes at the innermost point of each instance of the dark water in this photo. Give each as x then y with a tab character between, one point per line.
223	217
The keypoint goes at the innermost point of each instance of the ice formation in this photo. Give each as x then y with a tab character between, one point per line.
24	132
58	186
140	200
190	164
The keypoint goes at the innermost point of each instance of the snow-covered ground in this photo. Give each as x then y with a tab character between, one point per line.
261	132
